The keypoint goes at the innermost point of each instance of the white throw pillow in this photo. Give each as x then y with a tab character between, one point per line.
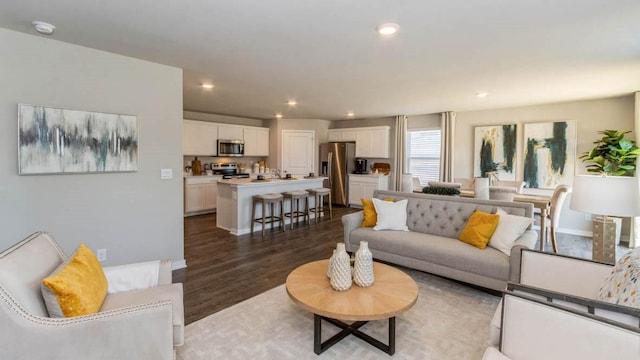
621	286
391	215
510	228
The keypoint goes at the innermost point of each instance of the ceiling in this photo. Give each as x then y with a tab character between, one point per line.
326	54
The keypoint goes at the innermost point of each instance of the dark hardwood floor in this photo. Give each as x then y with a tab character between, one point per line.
223	270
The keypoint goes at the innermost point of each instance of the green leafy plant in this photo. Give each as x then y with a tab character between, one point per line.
612	155
438	190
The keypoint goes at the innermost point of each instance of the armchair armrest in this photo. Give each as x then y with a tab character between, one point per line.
137	332
525	241
137	276
351	222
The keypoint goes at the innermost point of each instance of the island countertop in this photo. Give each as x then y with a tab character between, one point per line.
269	182
235	200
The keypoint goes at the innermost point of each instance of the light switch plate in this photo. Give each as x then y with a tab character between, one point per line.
166	174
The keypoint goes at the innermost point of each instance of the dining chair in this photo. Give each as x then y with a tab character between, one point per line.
519	185
557	199
504	193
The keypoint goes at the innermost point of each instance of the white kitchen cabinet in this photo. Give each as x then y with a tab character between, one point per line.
201	194
230	132
371	142
363	186
199	138
256	141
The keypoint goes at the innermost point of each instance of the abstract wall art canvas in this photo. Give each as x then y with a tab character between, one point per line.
549	154
495	151
61	141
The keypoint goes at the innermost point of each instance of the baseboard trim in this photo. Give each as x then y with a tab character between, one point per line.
178	264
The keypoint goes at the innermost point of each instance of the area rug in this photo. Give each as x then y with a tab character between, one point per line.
449	321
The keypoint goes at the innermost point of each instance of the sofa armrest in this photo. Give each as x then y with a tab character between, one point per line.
525	241
564	274
351	222
137	332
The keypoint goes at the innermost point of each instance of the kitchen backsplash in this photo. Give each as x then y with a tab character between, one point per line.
246	160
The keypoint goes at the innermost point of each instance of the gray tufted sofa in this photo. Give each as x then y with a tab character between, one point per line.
431	245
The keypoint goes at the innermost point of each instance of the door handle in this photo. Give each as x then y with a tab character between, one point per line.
330	160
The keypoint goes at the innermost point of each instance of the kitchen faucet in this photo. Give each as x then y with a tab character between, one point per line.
277	173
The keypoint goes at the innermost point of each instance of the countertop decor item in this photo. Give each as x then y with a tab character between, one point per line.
341	274
363	267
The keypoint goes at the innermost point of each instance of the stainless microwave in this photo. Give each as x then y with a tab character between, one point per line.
230	148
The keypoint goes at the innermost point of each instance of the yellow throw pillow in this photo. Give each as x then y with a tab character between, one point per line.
370	215
479	229
77	287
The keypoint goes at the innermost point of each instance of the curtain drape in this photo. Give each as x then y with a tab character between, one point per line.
447	128
400	158
634	232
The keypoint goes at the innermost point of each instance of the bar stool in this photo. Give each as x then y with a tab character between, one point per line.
267	199
294	209
319	194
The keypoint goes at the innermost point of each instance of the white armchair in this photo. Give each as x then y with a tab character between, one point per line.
538	329
559	274
139	324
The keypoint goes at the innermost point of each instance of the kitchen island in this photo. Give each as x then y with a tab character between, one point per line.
235	200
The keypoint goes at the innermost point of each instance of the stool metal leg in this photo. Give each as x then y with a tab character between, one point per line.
264	210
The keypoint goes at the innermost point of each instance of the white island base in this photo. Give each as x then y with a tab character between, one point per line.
235	201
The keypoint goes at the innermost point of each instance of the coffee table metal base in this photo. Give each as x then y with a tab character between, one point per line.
319	347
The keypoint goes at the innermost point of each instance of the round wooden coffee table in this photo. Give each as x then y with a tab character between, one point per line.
392	293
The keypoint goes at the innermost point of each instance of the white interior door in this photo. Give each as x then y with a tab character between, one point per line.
298	151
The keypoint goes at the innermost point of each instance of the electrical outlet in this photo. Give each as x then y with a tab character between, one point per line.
587	217
101	254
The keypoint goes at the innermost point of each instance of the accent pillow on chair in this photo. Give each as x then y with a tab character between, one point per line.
77	287
479	229
391	215
623	284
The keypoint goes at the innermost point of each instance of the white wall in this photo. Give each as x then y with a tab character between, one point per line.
591	116
225	119
135	216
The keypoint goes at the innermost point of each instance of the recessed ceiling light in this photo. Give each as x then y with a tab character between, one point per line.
387	28
350	114
207	86
279	116
292	103
43	27
482	94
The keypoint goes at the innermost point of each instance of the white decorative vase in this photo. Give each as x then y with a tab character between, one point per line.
363	267
481	188
341	273
330	267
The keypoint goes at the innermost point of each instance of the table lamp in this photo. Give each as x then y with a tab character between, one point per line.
606	196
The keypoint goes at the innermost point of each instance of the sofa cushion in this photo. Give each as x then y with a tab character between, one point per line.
436	249
510	228
391	215
171	292
441	217
479	229
77	287
623	284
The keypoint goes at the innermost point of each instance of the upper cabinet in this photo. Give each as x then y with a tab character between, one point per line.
199	138
230	132
256	141
371	142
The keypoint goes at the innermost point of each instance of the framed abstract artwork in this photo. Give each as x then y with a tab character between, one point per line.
495	151
549	154
61	141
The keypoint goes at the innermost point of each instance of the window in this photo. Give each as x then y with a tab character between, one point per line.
423	154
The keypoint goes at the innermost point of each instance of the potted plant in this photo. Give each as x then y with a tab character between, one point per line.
438	190
612	155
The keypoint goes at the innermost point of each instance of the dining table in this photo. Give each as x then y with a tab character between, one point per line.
540	202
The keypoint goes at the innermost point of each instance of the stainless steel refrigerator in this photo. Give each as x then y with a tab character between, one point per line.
337	159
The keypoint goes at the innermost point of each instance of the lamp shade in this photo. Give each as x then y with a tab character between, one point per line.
606	195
